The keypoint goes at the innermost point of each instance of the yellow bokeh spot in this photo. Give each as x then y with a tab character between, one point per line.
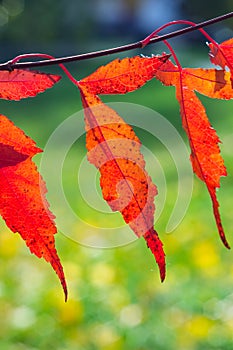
205	256
198	327
102	275
105	337
70	312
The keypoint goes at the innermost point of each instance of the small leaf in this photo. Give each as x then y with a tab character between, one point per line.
213	83
205	157
21	83
222	54
205	153
122	76
23	205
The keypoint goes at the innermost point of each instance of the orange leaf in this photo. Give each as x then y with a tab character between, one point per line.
213	83
23	205
122	76
21	83
114	149
205	153
222	54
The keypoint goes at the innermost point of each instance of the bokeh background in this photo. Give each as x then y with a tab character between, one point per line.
116	300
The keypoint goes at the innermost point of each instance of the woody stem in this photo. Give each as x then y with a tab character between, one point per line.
10	65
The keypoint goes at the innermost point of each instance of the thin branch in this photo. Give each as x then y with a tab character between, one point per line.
139	44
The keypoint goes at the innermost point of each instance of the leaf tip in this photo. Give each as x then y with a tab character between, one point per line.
156	247
59	271
218	218
165	56
65	291
223	238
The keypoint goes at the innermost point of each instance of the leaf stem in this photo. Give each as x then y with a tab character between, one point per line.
173	55
147	40
42	55
10	65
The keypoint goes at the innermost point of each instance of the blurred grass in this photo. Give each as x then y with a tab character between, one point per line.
116	300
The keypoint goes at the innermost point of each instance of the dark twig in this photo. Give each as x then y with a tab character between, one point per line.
48	62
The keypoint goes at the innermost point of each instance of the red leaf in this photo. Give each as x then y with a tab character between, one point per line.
122	76
21	83
206	159
213	83
23	205
114	149
222	54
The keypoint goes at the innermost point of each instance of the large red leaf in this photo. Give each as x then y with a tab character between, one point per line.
206	159
114	149
121	76
23	205
21	83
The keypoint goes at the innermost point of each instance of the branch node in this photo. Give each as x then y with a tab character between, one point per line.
8	66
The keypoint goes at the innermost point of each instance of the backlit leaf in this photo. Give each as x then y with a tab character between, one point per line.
205	153
23	205
222	54
114	149
213	83
21	83
122	76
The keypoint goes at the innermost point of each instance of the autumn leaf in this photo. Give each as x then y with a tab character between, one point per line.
23	205
122	76
114	149
213	83
205	153
222	54
20	83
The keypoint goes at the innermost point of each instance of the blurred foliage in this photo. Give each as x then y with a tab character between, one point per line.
58	27
206	9
116	300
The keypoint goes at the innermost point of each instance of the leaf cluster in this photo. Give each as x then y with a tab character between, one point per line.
112	145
